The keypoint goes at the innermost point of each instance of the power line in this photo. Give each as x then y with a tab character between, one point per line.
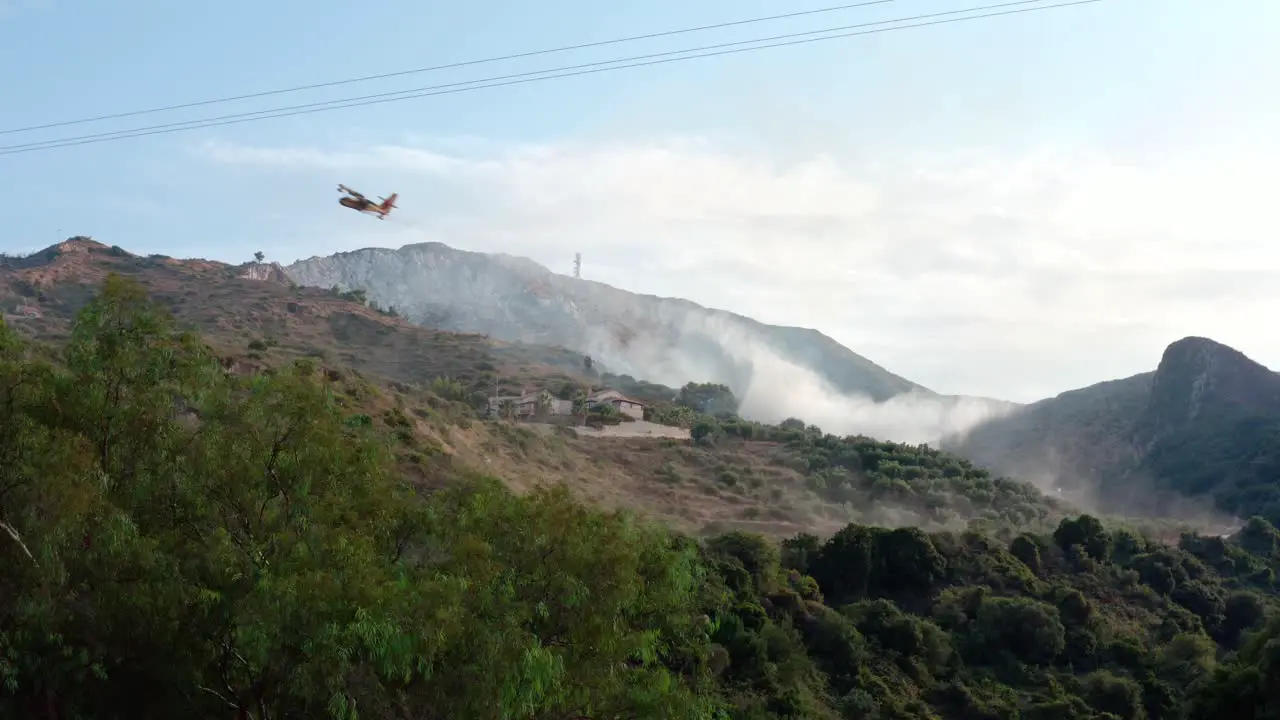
519	78
431	88
491	82
374	100
465	63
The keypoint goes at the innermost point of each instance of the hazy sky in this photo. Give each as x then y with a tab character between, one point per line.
1008	207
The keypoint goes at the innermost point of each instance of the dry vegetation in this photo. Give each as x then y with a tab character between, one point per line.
383	367
746	486
267	320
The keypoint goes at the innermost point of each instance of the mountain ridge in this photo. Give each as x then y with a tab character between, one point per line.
429	390
1147	442
662	339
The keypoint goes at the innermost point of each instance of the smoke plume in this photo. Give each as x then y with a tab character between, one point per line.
771	387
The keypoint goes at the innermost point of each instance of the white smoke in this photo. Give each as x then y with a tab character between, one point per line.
772	388
780	389
659	340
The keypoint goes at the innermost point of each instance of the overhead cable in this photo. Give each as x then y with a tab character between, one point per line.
447	66
521	78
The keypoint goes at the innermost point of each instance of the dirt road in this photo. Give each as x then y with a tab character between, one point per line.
637	429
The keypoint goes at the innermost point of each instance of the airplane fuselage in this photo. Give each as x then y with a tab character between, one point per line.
356	201
361	205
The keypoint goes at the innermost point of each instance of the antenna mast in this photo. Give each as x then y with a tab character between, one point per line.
577	265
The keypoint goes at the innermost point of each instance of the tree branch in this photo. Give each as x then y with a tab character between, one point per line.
13	533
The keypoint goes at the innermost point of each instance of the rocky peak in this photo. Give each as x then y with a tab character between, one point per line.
73	252
265	272
1197	375
79	243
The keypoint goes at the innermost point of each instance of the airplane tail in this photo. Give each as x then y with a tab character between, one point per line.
389	202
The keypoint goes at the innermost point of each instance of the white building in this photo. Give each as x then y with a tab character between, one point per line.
623	404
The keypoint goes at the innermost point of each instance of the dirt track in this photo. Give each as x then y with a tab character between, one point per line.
637	429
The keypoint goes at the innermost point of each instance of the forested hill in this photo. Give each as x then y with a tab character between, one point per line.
1204	424
184	540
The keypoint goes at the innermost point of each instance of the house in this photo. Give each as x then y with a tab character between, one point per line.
528	405
622	403
497	403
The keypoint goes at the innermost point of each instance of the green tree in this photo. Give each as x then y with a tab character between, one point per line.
1119	696
183	542
568	611
708	398
1028	630
1245	687
1025	548
705	432
1087	532
1259	537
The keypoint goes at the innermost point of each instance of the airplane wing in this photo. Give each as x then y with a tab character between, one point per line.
349	191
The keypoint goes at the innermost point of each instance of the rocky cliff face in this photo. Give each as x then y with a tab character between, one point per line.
1202	380
265	272
659	339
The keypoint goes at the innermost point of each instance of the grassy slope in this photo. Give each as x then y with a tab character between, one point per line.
384	367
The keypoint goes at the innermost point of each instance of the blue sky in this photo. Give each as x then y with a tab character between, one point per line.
1146	97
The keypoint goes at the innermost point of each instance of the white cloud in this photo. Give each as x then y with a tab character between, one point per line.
1014	276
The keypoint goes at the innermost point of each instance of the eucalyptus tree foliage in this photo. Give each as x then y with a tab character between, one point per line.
183	542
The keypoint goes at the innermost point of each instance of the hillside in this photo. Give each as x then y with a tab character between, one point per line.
183	538
235	306
1205	423
426	385
662	339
